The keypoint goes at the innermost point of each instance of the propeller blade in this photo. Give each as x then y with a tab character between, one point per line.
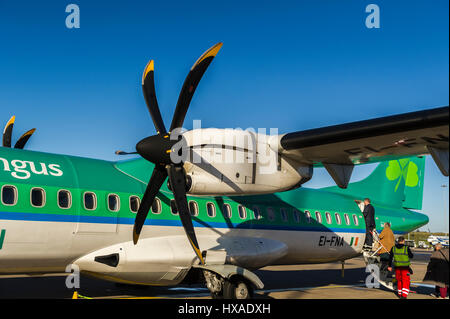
24	139
190	84
148	88
177	178
7	132
159	175
158	148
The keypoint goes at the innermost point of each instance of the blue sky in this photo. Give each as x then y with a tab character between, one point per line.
291	65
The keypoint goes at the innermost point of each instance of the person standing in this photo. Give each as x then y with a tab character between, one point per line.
387	241
437	271
400	258
369	217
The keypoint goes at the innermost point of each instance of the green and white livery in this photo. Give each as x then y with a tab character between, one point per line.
232	203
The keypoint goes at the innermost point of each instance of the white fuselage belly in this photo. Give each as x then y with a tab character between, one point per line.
49	247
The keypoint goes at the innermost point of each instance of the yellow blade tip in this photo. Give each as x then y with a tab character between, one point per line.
210	52
30	132
149	67
11	120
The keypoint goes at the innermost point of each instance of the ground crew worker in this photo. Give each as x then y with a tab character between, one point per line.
369	217
400	257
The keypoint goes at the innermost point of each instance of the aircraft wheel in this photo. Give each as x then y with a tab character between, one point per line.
215	295
237	288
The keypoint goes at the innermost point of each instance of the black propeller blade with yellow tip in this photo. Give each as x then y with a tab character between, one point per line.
177	178
148	88
157	148
7	134
24	139
190	84
158	177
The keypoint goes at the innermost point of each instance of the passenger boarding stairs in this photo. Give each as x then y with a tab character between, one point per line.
371	257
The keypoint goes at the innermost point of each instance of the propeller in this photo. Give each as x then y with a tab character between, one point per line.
157	148
7	133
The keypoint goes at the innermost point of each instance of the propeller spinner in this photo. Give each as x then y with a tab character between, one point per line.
157	148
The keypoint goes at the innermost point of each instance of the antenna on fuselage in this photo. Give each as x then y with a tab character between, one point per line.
124	153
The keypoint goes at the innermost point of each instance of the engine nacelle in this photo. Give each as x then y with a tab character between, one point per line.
236	162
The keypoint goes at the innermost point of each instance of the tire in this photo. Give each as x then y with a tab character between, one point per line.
216	295
237	288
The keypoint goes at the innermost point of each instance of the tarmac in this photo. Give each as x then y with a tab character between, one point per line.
315	281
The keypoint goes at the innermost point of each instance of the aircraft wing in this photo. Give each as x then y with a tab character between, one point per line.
339	147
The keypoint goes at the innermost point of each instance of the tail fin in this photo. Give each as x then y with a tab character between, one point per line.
396	183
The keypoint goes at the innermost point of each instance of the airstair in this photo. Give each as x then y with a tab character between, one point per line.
371	257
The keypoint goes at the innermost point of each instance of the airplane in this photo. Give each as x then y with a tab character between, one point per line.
434	240
233	203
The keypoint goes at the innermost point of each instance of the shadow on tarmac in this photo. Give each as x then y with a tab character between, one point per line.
54	287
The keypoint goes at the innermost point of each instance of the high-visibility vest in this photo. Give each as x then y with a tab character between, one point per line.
401	258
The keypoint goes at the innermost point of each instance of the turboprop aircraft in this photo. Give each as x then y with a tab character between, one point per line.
434	240
232	204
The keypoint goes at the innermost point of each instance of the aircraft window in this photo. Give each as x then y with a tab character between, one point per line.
156	206
64	199
90	201
256	212
113	202
227	210
193	208
328	217
211	209
242	212
338	218
270	214
347	219
284	215
308	216
37	197
355	220
9	195
134	204
319	217
173	207
296	215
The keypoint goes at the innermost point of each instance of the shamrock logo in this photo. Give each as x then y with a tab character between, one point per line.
403	169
